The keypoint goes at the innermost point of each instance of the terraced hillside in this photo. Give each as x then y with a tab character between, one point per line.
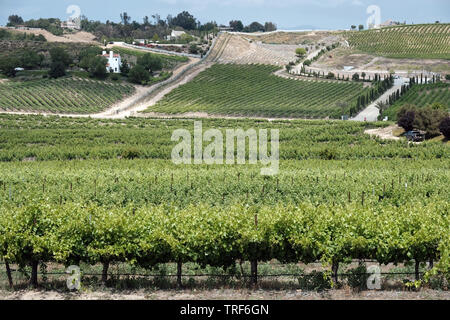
421	96
64	95
252	90
234	48
410	41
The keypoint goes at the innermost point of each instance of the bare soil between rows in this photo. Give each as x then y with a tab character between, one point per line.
225	294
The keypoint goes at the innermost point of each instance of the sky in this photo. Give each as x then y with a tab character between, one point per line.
287	14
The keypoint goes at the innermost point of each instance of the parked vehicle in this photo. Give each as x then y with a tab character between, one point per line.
415	135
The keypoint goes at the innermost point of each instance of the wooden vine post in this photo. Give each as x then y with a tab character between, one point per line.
254	263
334	270
179	273
8	273
105	272
416	269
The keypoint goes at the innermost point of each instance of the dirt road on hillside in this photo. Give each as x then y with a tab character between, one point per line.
80	36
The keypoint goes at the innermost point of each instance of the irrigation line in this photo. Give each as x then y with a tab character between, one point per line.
226	275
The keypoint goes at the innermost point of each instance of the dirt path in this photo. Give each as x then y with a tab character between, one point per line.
154	98
134	103
226	294
371	112
80	36
384	133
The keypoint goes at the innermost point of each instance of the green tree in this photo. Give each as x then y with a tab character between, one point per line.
8	65
57	69
125	69
270	26
429	119
125	18
360	27
97	67
444	127
58	54
236	25
255	27
193	48
185	20
14	20
300	52
138	74
150	62
155	37
30	59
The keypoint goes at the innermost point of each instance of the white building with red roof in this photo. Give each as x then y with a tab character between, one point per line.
114	61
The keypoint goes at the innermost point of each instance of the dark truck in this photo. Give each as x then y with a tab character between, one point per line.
415	135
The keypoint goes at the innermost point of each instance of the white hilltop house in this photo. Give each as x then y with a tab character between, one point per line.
114	61
71	24
175	34
389	23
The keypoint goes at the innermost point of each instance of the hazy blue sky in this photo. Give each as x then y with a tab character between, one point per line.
287	14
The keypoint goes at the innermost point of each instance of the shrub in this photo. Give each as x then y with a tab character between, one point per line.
58	54
97	67
428	119
406	116
301	52
130	153
138	74
315	281
57	69
193	49
8	65
328	154
150	62
357	278
447	77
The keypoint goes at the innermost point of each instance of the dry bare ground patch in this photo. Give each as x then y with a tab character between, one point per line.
384	133
292	38
225	294
81	36
241	50
342	56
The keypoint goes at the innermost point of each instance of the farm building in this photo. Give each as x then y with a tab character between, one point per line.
389	23
175	34
71	24
114	61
